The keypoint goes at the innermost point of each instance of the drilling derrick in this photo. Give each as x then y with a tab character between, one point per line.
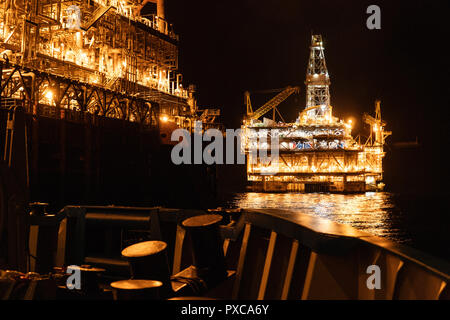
317	81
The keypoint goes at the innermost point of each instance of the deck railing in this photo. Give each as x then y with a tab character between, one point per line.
288	255
291	255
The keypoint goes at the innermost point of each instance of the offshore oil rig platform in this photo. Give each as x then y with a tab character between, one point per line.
100	92
317	153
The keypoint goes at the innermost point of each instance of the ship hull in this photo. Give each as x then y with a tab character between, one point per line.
87	159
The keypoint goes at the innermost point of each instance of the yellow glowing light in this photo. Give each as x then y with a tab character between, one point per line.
375	128
370	180
49	95
164	118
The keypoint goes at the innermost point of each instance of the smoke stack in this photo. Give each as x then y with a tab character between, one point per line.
160	9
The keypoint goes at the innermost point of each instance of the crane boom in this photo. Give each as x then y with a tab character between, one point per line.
97	15
272	103
377	125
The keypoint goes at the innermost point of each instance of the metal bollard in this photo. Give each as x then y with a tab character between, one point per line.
43	237
136	289
38	209
148	261
90	280
207	251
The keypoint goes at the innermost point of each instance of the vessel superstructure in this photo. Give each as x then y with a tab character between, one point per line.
112	58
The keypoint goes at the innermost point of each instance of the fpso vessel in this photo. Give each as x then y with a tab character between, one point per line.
98	85
316	153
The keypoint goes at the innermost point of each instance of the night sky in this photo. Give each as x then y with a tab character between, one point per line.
228	47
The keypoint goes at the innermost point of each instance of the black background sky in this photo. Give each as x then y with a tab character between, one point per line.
228	47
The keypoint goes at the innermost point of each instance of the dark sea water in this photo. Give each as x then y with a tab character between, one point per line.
419	221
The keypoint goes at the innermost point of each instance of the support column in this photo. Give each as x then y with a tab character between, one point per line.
87	155
62	148
160	10
34	138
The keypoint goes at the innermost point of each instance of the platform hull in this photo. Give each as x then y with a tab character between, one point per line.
282	187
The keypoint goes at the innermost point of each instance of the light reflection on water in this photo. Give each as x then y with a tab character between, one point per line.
372	212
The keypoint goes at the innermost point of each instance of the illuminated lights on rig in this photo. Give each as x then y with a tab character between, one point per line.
48	96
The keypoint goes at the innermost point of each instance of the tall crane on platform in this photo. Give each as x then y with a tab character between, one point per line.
271	104
377	133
